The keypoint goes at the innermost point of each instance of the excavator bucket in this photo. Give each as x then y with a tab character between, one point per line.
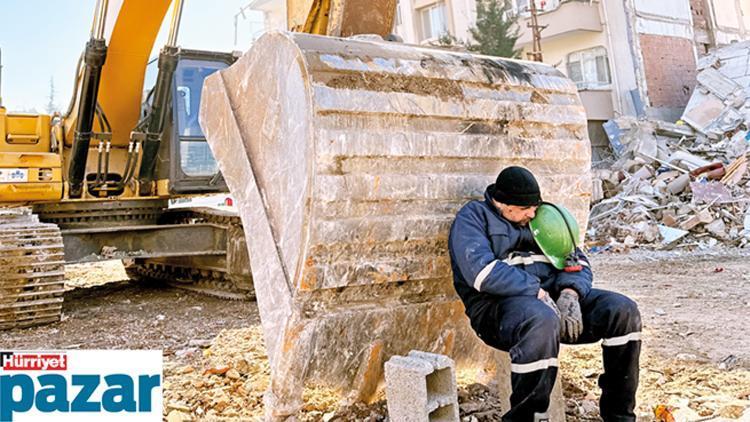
347	160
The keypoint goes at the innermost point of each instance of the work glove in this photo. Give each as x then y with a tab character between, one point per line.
547	300
571	320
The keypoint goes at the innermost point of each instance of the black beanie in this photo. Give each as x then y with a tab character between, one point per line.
516	186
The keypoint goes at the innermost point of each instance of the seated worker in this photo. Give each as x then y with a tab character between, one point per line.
524	302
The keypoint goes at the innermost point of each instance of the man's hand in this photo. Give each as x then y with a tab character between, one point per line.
571	321
544	297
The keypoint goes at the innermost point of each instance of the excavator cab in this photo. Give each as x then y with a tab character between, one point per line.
184	156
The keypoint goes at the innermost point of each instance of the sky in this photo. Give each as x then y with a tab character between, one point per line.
41	40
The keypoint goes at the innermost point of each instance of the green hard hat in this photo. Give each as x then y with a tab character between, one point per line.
555	232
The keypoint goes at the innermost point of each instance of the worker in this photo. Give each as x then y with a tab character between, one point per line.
520	302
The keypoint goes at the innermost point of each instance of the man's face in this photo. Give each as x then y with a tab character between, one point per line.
516	214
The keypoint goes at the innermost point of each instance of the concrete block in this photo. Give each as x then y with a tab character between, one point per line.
421	387
556	409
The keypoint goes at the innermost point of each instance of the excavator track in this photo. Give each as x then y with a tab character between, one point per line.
32	271
207	276
211	283
190	274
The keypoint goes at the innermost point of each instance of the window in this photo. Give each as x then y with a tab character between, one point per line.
589	68
188	79
195	156
433	21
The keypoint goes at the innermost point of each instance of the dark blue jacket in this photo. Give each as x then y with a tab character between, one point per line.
490	257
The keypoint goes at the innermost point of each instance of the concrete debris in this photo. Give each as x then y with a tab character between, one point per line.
671	186
686	181
721	101
670	234
707	192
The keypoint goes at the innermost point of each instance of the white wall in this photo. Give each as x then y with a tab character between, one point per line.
621	60
664	17
728	25
464	17
726	14
745	9
407	28
274	13
460	16
671	9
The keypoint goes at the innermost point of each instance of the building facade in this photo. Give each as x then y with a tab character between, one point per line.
628	57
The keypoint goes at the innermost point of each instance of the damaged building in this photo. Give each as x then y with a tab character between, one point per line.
629	58
633	58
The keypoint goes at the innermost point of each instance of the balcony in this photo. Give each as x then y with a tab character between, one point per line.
571	16
598	103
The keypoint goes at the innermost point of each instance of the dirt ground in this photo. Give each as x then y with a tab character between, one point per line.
695	360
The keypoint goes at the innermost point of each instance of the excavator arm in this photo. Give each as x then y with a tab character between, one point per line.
130	29
341	18
110	82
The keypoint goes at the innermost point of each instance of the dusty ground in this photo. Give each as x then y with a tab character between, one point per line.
696	355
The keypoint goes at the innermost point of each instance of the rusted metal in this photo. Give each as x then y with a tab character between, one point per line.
348	160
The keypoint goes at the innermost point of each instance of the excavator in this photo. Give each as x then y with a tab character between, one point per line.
347	157
99	178
95	183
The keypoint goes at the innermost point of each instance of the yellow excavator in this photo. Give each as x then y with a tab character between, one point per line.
347	157
99	178
96	181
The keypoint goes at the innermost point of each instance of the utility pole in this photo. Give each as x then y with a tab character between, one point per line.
536	33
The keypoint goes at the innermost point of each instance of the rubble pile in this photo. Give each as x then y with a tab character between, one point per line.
667	191
683	184
225	379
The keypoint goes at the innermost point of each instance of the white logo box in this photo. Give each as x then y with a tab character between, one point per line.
125	378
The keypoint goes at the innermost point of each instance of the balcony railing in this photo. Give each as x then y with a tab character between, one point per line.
570	16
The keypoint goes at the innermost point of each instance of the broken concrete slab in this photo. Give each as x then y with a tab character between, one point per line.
673	130
667	175
710	192
690	223
669	218
671	235
679	184
718	84
690	161
644	172
720	101
717	228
